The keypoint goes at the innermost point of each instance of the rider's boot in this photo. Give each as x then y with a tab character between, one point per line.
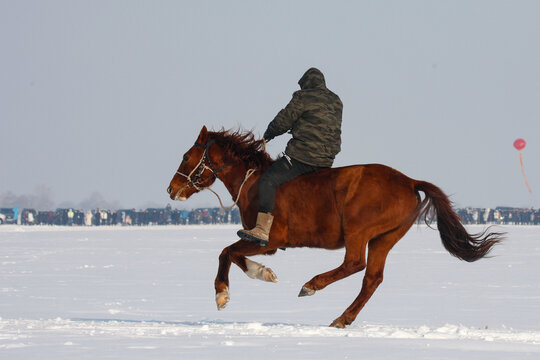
259	233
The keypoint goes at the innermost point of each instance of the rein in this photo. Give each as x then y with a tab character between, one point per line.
201	166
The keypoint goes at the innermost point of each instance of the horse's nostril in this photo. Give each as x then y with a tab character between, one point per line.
169	189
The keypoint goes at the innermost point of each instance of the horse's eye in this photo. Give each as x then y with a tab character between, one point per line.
186	158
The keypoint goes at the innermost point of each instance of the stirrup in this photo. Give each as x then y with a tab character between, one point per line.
248	237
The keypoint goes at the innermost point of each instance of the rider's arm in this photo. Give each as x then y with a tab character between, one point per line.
286	118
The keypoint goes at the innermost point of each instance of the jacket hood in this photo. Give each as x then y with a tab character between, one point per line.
312	79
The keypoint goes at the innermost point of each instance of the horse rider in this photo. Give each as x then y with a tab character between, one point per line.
313	117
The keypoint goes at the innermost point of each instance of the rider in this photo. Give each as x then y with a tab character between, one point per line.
313	117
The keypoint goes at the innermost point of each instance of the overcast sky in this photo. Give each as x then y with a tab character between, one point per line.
104	97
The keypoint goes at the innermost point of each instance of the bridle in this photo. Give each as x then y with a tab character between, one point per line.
201	166
196	180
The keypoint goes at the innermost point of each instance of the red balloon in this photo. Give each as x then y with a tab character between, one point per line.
519	144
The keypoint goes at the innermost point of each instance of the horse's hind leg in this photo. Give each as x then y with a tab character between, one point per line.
237	253
355	261
378	249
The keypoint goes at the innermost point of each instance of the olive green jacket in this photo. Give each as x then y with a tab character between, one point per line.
313	117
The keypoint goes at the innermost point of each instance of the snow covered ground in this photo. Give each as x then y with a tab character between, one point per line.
147	293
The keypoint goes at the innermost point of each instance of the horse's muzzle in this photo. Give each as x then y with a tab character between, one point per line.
177	195
181	198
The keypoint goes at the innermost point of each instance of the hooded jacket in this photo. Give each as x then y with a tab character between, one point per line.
313	117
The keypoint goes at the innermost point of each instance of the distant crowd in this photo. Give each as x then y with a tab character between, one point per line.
169	216
126	217
500	215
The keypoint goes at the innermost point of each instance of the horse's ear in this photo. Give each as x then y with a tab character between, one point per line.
203	135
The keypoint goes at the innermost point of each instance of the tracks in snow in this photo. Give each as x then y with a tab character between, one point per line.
25	329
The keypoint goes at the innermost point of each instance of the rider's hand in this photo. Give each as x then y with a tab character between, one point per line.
267	136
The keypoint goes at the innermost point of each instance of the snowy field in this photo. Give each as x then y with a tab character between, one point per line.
147	293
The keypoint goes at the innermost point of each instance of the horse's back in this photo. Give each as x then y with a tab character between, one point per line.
341	185
326	205
338	178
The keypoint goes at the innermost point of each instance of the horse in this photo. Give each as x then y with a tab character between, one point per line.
364	208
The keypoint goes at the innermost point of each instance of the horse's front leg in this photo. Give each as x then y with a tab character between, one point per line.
221	283
237	253
258	271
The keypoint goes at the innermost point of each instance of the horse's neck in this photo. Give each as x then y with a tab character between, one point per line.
235	180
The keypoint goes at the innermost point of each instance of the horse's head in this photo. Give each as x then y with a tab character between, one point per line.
214	152
195	172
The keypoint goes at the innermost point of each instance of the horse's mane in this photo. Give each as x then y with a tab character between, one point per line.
241	145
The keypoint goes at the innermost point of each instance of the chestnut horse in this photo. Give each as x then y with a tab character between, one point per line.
357	207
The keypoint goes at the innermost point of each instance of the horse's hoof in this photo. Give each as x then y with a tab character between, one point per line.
338	323
222	299
269	275
257	271
306	291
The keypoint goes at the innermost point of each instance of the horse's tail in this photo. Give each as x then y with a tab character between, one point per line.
454	237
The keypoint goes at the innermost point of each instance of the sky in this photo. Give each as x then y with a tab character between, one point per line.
100	99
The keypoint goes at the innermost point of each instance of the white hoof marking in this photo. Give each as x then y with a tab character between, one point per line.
258	271
222	299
